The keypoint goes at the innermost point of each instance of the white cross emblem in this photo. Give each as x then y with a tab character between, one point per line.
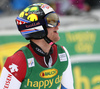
13	68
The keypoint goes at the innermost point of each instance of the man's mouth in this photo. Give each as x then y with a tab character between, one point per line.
55	31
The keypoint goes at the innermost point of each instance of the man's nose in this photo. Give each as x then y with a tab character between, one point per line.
58	24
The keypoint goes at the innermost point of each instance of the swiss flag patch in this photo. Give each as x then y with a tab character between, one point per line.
20	22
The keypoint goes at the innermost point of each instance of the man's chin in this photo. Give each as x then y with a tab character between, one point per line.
57	40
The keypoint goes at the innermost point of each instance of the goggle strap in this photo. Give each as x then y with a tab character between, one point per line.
48	41
51	43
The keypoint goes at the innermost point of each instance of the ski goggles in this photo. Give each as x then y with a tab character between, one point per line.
52	19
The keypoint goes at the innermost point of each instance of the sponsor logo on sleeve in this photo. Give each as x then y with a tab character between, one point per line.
13	68
8	80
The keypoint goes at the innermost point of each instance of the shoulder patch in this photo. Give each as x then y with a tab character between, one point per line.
31	62
62	57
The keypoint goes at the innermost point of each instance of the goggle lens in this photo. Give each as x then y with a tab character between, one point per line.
52	20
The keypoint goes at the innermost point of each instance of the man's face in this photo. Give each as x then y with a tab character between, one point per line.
53	34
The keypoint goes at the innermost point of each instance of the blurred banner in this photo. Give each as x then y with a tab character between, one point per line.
83	46
81	41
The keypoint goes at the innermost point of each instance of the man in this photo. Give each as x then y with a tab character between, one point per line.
41	64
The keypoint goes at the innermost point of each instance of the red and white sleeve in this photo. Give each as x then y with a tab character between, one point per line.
13	72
